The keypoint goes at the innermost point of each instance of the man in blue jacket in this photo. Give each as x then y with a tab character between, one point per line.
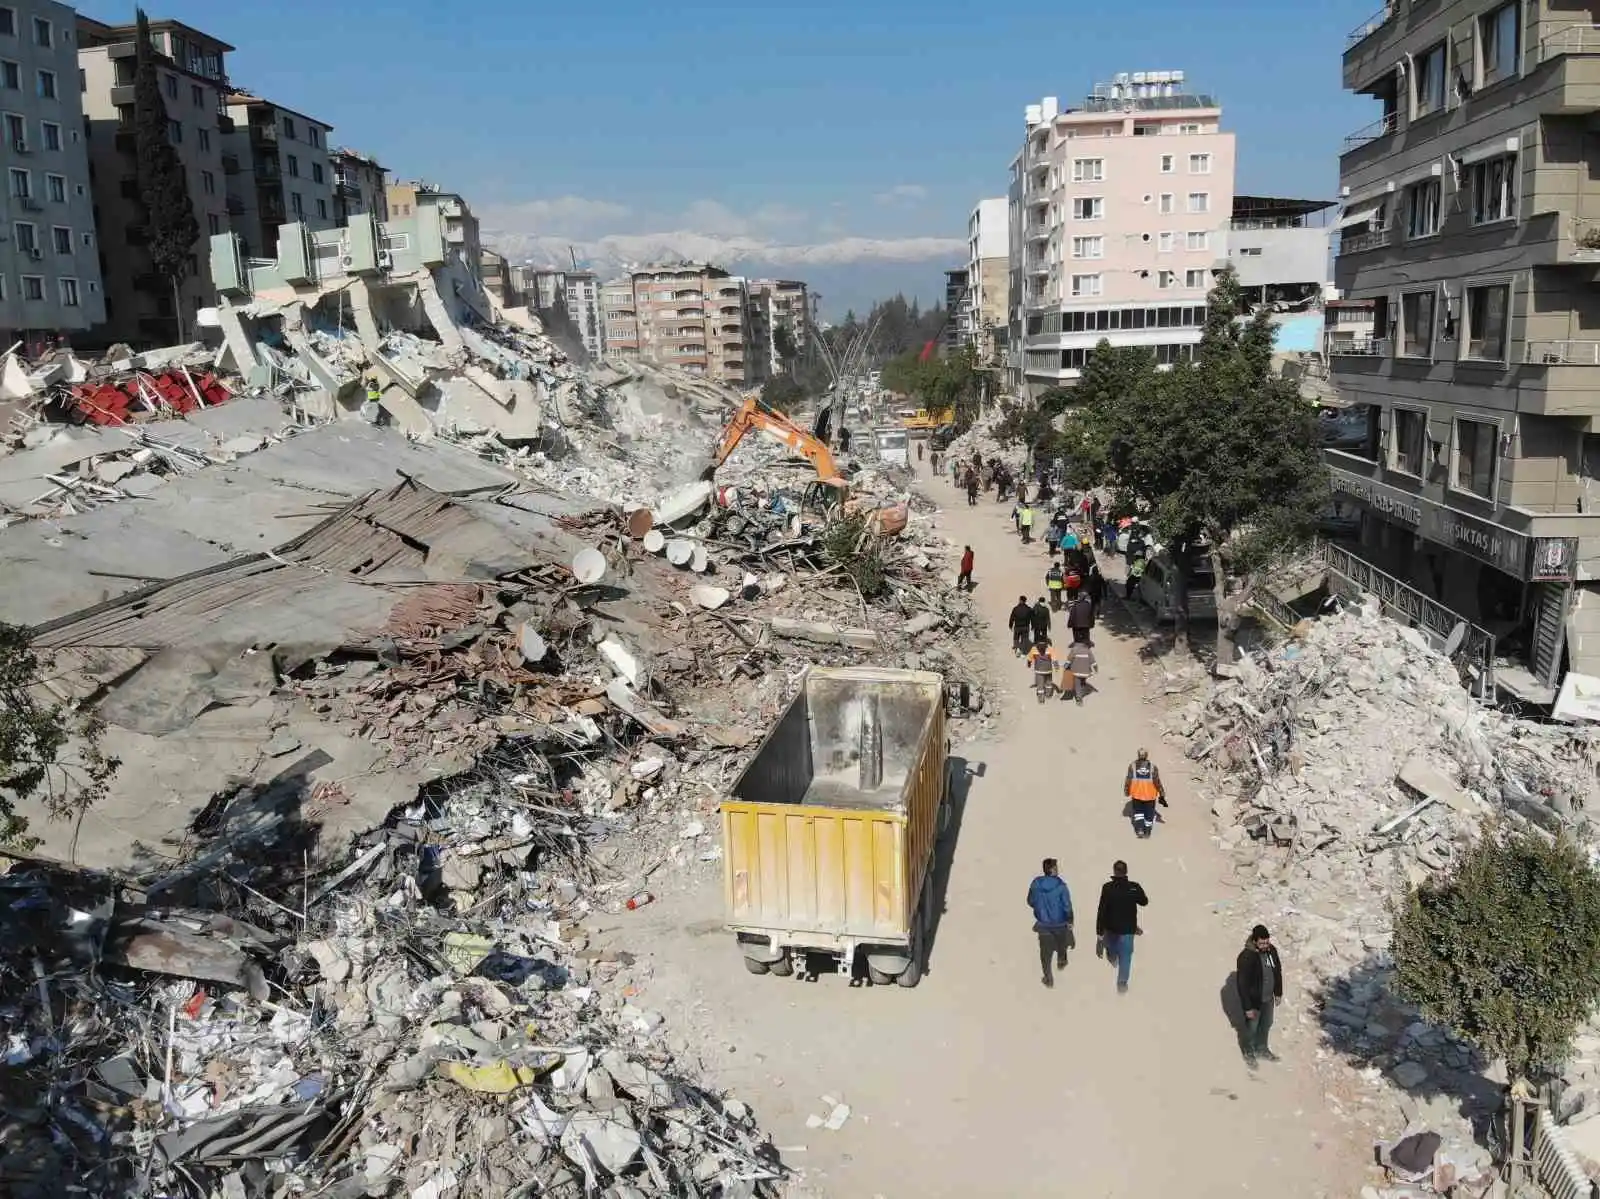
1052	918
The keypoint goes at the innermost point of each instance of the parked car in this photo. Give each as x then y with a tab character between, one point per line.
942	437
1159	588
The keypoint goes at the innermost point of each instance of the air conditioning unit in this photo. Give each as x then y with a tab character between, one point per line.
385	259
347	261
36	253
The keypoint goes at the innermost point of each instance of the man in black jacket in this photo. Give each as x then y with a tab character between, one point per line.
1080	618
1041	620
1259	976
1021	623
1116	921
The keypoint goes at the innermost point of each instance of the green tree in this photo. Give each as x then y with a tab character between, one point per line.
1223	454
170	223
782	392
45	750
1505	948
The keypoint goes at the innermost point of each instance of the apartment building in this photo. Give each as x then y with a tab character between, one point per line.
581	291
784	321
1119	213
695	317
283	172
988	268
958	323
461	226
1469	238
360	184
50	276
139	306
619	319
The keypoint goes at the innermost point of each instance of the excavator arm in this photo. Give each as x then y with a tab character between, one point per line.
753	414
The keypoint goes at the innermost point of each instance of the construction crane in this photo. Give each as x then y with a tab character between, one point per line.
753	414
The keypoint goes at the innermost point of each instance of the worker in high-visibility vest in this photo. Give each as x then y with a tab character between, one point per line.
1144	791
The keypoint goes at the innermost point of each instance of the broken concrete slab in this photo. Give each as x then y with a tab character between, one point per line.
1427	780
823	633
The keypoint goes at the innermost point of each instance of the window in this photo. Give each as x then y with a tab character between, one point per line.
296	204
293	167
1167	161
62	237
1187	128
1487	309
1410	435
8	22
25	236
21	184
1199	164
16	131
1416	324
1422	208
1493	183
10	76
1199	202
42	33
1427	84
1498	44
1194	278
208	183
1168	203
214	223
1088	208
203	136
171	83
52	134
322	209
1249	251
288	127
197	95
1086	285
316	172
1164	243
1197	241
1088	170
175	133
47	85
1088	247
1477	443
55	187
32	287
1166	279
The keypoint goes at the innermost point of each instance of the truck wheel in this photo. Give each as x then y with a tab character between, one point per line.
783	967
757	967
878	978
912	974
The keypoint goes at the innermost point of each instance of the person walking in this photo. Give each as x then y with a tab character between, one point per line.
1095	586
1022	492
1021	624
1039	620
1079	662
1042	660
1025	522
964	579
1052	583
1080	618
919	451
1258	975
1143	788
972	488
1051	902
844	440
1116	921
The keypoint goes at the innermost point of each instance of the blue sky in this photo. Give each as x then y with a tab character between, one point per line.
867	128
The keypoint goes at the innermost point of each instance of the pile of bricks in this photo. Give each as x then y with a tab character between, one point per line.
105	403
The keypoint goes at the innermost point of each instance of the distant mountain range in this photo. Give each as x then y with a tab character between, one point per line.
848	274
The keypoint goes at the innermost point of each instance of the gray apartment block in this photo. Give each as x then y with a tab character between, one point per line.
284	174
1471	224
49	255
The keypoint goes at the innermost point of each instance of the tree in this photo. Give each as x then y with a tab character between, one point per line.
1505	949
782	392
170	224
43	748
1222	454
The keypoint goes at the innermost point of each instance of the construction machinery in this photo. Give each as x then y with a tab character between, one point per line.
753	414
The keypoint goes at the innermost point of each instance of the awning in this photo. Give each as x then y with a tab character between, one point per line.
1361	214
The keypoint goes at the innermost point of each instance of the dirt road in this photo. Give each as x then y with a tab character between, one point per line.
981	1081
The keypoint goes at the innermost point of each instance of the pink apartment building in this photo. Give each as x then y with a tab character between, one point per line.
1119	214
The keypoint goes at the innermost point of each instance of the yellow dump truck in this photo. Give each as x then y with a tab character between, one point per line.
829	833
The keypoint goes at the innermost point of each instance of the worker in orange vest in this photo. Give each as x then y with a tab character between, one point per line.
1144	791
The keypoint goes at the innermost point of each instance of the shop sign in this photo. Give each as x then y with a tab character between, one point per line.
1552	559
1500	547
1387	501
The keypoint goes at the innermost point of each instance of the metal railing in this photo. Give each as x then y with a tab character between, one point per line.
1370	26
1360	347
1356	243
1562	353
1477	645
1573	39
1275	609
1382	127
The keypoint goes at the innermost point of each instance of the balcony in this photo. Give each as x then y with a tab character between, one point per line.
1360	347
267	169
1038	232
1571	39
126	141
225	123
1370	26
1562	353
235	206
230	164
121	94
1368	134
263	135
1361	242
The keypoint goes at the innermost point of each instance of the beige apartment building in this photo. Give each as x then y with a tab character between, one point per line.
781	305
461	225
1119	214
1470	248
983	319
360	184
692	316
282	172
619	319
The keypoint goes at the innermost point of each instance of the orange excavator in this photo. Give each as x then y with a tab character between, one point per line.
753	414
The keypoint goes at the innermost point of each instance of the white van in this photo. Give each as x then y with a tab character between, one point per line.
893	447
1159	588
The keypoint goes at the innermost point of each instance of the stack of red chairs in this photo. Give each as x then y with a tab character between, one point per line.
121	403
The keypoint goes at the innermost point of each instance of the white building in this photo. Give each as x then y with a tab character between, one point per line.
583	309
988	267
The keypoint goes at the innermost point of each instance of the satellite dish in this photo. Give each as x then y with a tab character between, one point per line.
1453	642
655	541
679	552
589	566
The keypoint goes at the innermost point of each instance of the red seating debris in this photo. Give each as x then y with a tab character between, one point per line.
168	393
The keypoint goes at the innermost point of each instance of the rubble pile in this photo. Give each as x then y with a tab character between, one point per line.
1344	764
